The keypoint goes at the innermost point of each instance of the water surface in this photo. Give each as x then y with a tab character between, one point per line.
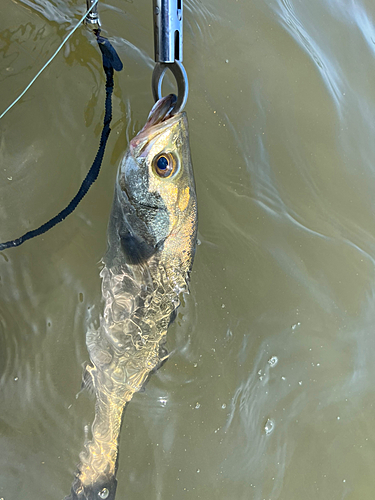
269	391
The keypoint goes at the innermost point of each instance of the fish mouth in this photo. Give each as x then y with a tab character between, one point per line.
159	117
161	111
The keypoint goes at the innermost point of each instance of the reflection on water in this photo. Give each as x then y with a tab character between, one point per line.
268	393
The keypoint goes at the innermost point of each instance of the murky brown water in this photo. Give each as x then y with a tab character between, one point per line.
269	392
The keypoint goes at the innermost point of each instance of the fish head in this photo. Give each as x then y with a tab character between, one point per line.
155	199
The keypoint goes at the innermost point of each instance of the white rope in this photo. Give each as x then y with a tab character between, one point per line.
49	60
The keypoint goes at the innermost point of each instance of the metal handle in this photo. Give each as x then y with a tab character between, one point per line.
168	30
93	16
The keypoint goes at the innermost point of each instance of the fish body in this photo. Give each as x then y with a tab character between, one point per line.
151	243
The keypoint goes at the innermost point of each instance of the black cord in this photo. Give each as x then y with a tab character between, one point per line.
111	61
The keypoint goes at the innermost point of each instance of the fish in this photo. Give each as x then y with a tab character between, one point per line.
152	234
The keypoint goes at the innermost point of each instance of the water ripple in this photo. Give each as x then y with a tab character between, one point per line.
308	38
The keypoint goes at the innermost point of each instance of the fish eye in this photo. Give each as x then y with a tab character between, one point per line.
164	164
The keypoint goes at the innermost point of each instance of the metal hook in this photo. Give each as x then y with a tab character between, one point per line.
180	75
168	40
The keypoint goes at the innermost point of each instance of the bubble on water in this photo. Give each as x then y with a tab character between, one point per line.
270	424
104	493
273	361
295	325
